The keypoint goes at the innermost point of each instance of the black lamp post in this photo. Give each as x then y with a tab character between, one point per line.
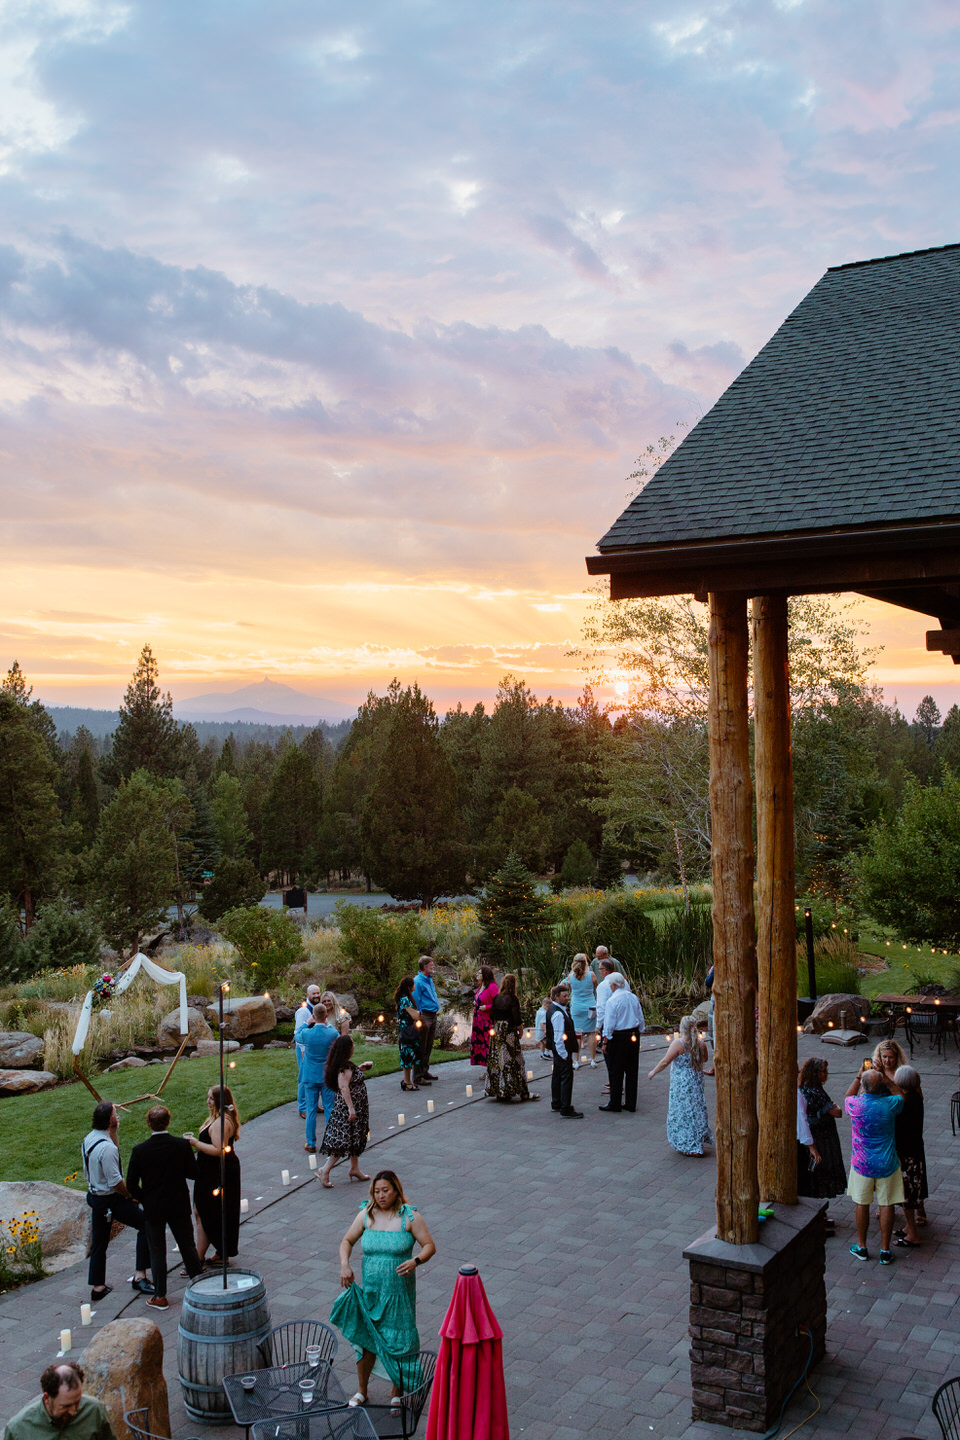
223	1154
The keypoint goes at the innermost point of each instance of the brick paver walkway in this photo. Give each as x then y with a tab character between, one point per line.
577	1228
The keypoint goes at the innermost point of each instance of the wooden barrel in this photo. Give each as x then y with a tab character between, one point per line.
218	1335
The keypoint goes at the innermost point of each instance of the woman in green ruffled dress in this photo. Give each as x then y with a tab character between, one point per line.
378	1316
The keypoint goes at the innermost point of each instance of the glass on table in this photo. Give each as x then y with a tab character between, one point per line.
313	1356
307	1387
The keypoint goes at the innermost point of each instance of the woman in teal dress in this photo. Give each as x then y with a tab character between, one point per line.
378	1316
688	1127
408	1032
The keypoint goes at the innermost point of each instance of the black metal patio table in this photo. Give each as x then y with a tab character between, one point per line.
276	1393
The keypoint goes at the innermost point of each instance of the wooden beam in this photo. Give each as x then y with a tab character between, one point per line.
938	600
946	641
645	577
734	935
776	922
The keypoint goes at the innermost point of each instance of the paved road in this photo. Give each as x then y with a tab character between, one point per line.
577	1228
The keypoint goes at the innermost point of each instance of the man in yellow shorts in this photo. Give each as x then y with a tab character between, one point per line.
872	1102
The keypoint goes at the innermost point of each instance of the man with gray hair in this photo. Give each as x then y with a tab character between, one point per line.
623	1024
600	955
874	1163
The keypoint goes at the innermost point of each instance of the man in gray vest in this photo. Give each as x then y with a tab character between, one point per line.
109	1199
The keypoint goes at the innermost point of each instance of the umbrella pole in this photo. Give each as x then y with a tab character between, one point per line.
223	1160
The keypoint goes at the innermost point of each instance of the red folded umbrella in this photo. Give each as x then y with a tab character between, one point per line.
469	1398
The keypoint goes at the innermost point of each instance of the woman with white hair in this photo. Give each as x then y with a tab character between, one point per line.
688	1128
908	1136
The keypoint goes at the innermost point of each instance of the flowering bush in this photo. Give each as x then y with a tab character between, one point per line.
21	1257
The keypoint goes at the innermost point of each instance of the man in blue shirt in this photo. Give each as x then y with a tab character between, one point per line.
316	1037
425	1000
303	1015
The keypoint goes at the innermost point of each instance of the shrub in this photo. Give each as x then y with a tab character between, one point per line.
578	865
836	964
235	886
382	947
626	930
15	961
62	937
266	941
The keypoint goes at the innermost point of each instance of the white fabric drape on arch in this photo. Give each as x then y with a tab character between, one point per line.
156	972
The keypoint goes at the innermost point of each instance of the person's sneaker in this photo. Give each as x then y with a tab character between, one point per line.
859	1253
159	1302
887	1257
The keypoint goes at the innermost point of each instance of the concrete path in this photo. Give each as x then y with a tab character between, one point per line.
577	1228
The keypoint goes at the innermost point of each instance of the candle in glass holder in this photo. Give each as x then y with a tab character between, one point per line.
66	1340
244	1207
529	1074
312	1161
429	1107
86	1315
469	1089
401	1119
285	1177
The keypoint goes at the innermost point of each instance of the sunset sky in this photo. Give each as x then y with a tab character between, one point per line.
331	332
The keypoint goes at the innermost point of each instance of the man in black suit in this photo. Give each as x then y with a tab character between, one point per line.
157	1176
563	1044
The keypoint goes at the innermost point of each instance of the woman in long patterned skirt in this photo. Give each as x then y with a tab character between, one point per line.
506	1076
349	1121
482	1000
911	1154
688	1128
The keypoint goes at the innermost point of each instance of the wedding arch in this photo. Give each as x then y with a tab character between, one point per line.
127	975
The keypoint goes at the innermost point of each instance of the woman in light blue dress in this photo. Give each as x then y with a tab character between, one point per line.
583	1007
688	1128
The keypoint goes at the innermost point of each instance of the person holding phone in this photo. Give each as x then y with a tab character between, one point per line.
873	1101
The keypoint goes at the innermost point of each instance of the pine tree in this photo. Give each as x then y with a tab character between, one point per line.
609	868
147	737
85	804
291	815
132	865
512	911
409	828
31	831
230	817
927	720
578	865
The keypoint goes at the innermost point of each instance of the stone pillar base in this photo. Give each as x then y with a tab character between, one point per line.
746	1304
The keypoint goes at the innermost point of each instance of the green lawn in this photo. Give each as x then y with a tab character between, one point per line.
40	1134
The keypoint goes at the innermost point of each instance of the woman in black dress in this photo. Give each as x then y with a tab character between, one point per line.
910	1152
506	1077
349	1120
829	1176
223	1124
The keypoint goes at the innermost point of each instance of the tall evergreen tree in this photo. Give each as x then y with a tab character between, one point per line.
512	911
32	838
927	720
147	736
291	815
410	827
947	749
230	817
132	870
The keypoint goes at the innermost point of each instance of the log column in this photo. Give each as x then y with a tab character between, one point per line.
734	933
776	918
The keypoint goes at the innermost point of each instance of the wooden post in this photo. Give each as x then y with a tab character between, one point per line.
734	932
776	918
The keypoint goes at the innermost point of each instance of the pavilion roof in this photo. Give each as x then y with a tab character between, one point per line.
841	439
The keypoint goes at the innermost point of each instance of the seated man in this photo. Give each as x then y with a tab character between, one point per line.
62	1409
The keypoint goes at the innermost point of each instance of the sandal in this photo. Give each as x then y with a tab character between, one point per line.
356	1399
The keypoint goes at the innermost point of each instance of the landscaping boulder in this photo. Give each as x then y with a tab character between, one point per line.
129	1062
250	1015
348	1002
212	1047
63	1214
198	1002
19	1050
845	1012
168	1031
25	1082
123	1367
284	1014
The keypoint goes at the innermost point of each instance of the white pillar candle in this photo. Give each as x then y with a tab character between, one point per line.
312	1161
86	1315
469	1089
429	1107
285	1176
401	1119
66	1340
529	1074
244	1207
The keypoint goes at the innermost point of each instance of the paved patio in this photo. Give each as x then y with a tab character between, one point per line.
577	1228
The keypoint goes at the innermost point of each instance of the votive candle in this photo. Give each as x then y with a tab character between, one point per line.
312	1161
285	1176
469	1089
401	1119
244	1207
429	1107
86	1315
66	1340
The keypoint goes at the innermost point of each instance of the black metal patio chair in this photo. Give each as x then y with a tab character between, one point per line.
317	1425
924	1021
398	1419
286	1344
946	1408
138	1423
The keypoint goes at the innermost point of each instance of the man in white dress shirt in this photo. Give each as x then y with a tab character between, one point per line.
563	1045
623	1024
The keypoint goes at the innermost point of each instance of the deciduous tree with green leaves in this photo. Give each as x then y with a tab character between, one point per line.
267	942
910	870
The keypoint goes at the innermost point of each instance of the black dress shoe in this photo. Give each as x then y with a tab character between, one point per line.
555	1107
611	1109
143	1287
428	1076
101	1294
571	1114
422	1080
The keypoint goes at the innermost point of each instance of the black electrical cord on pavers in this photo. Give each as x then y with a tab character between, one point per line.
802	1377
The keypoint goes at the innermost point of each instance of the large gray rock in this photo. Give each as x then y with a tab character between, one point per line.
245	1015
168	1031
839	1012
349	1003
25	1082
123	1367
19	1050
129	1062
212	1047
63	1214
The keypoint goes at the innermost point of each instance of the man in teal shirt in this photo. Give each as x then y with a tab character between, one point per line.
315	1038
62	1409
